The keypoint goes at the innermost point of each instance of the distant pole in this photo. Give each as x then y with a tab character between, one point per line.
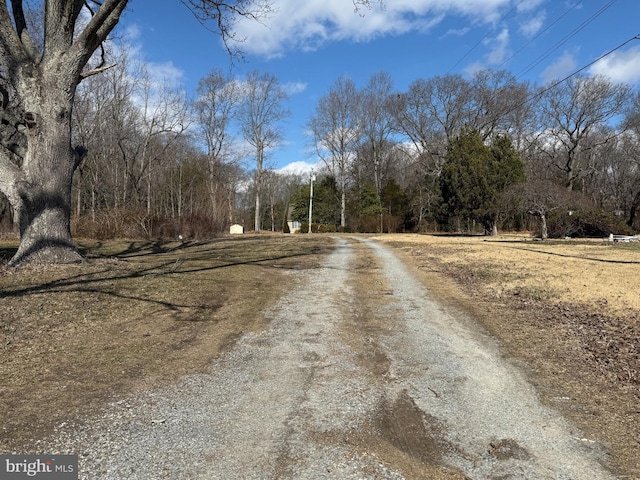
313	178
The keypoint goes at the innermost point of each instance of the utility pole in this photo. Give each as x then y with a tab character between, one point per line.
313	178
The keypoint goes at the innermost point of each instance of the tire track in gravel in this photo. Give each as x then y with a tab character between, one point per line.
490	421
358	375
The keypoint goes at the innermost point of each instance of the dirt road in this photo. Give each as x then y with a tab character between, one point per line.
360	374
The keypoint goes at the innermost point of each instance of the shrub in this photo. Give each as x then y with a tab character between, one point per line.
369	224
391	223
326	228
123	223
584	224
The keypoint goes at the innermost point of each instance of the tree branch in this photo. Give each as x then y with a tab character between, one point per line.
60	18
95	71
102	22
225	14
11	49
22	31
358	5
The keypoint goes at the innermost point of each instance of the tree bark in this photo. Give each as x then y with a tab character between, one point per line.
39	89
257	224
542	215
544	232
343	205
44	207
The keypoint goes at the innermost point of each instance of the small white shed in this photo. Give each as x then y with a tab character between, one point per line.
294	227
236	229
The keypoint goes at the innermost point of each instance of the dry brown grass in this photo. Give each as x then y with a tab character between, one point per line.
599	274
567	311
136	314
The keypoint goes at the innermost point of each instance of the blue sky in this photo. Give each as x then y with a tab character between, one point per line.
308	44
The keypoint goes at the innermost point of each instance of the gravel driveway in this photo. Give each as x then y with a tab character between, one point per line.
341	387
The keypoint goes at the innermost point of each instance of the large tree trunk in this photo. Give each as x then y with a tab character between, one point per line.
44	207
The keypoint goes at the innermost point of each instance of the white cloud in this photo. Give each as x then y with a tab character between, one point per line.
499	48
160	73
526	6
310	24
562	67
620	66
533	25
301	168
165	73
474	68
457	32
129	43
293	88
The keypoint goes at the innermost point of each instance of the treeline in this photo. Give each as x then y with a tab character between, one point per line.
476	154
450	153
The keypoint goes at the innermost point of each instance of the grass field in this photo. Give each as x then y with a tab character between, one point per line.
603	275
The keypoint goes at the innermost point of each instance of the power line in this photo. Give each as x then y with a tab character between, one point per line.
541	32
545	90
485	36
564	40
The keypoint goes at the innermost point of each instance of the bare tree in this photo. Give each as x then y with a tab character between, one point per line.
107	121
573	111
496	103
447	101
260	115
537	198
278	188
89	129
336	133
127	121
376	124
414	117
110	162
619	167
38	83
215	108
415	114
163	119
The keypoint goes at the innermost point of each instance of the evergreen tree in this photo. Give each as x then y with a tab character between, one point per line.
395	204
326	205
475	174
